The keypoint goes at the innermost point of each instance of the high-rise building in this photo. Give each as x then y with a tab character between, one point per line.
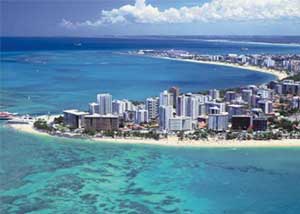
141	116
290	87
246	95
260	124
174	91
74	118
269	62
241	122
99	122
265	93
214	93
180	124
254	100
221	106
105	103
128	105
201	109
93	108
266	106
118	107
214	110
230	96
235	109
218	122
152	105
165	113
165	99
129	116
192	107
181	105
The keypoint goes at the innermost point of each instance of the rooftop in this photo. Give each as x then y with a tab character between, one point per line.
101	116
75	112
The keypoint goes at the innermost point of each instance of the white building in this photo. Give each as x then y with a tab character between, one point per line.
214	93
118	107
192	107
165	113
74	118
235	109
266	106
165	99
265	93
201	109
105	104
218	122
269	62
230	96
152	105
221	106
93	108
181	105
141	116
128	105
180	124
246	95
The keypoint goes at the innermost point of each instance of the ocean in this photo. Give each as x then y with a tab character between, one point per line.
56	175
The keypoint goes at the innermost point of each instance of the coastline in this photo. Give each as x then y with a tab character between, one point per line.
278	74
173	141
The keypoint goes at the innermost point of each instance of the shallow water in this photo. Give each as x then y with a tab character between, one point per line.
55	175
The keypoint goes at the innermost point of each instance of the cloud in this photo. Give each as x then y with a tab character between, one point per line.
215	10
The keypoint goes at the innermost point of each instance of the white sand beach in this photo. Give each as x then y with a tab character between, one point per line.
279	74
173	141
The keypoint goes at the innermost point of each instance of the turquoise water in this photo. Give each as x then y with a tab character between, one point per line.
55	175
51	175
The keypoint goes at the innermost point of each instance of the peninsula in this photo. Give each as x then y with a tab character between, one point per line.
264	115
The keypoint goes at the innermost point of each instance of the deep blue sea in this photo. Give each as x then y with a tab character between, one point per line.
54	175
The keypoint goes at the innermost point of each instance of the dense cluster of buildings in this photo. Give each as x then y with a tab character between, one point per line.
289	63
172	112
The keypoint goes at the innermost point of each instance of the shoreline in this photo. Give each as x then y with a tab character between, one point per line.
278	74
172	141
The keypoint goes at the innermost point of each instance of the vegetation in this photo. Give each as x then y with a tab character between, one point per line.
42	125
268	136
147	135
109	133
285	112
199	134
231	135
58	120
296	77
180	135
284	124
90	132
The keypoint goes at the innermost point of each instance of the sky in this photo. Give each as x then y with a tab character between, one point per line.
149	17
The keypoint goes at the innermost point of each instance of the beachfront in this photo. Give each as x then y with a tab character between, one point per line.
173	140
280	75
231	60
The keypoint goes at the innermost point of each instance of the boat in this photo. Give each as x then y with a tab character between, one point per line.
6	116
